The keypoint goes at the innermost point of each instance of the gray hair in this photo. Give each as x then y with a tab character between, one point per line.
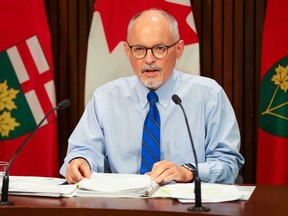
171	20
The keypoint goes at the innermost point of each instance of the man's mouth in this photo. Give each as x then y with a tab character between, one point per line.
151	70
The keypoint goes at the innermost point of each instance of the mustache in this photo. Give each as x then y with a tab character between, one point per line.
150	67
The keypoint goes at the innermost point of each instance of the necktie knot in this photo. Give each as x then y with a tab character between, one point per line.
152	97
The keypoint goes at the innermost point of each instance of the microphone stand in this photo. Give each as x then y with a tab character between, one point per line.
197	181
5	183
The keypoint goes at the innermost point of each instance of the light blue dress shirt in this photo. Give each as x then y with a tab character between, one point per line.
109	133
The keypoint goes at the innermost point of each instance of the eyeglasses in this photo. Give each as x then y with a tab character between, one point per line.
158	51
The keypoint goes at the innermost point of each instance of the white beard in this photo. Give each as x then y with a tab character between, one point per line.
152	83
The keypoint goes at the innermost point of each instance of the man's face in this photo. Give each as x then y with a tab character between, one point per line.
148	31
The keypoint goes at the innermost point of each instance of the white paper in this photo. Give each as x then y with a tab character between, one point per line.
125	185
40	186
116	185
210	192
246	191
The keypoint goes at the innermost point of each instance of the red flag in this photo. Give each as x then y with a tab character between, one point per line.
106	59
27	88
272	158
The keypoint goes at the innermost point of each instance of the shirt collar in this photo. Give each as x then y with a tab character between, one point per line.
164	93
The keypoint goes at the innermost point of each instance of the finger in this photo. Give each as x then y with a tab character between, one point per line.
159	168
72	174
175	173
167	175
85	170
76	170
148	173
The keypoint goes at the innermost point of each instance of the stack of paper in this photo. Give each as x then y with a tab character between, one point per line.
116	185
40	186
184	192
125	185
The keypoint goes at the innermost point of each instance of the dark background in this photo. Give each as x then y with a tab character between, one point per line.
230	36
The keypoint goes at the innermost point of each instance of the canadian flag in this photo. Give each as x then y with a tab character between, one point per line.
27	89
106	59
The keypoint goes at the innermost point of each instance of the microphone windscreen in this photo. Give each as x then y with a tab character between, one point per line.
176	99
63	104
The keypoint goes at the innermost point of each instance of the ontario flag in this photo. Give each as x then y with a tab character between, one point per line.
106	59
27	90
272	161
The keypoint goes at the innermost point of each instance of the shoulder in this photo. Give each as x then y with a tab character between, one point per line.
117	86
113	93
198	82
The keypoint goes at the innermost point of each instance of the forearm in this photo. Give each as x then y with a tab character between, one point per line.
219	171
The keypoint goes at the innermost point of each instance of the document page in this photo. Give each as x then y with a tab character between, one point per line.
40	186
116	185
210	192
126	185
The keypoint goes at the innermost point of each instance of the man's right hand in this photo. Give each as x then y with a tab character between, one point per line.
76	170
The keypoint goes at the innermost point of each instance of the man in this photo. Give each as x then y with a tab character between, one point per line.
108	138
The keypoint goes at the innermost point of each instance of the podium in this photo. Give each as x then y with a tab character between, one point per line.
265	200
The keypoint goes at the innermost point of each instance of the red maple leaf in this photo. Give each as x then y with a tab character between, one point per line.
116	15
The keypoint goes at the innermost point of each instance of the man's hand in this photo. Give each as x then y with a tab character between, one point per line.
76	170
165	171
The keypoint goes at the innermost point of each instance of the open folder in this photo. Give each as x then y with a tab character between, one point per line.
98	185
119	185
125	185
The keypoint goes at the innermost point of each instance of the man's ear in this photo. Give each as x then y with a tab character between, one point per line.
180	48
126	49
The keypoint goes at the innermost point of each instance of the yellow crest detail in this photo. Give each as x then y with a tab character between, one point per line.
280	79
7	122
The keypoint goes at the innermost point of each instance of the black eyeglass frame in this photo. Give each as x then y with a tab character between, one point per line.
151	48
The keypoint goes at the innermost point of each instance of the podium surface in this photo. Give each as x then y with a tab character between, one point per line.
265	200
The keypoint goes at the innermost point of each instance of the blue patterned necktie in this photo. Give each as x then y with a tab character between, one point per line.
151	136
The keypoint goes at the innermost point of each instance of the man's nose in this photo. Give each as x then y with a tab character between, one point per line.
149	58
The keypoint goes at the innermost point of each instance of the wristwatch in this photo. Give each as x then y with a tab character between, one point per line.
192	168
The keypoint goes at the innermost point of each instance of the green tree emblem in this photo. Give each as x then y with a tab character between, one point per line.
273	116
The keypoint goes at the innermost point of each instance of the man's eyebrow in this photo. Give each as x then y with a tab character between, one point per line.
158	44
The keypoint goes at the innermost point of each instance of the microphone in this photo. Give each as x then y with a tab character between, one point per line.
197	181
5	183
